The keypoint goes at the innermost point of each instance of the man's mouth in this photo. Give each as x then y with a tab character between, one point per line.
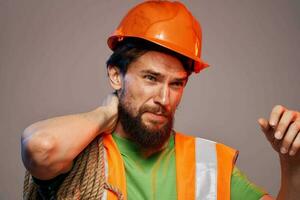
157	117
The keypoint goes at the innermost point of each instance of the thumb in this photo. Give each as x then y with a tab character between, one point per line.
265	127
264	124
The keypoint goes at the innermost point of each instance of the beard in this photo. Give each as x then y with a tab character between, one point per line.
134	127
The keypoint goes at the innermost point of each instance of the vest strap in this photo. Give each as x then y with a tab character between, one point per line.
185	166
203	168
116	170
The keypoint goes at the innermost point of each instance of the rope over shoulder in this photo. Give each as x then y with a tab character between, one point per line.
86	180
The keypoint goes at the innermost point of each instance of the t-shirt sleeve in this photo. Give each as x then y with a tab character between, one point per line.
47	189
242	188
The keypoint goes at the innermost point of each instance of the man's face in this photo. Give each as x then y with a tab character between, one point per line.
151	91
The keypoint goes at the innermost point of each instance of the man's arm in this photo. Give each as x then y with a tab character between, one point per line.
49	146
283	132
290	178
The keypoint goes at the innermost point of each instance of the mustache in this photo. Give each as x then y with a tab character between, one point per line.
159	110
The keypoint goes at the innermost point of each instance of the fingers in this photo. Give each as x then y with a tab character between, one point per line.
264	124
275	115
110	99
296	145
287	118
265	127
286	124
288	140
282	130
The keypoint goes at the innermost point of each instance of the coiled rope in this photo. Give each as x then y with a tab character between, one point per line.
86	180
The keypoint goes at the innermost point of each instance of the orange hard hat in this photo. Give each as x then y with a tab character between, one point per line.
168	24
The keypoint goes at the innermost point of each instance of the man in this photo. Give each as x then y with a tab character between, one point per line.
127	149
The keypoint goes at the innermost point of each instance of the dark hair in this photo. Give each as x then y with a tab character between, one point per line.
132	48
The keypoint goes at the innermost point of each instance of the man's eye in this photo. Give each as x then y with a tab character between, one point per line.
149	77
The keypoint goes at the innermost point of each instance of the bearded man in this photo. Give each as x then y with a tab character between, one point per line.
127	148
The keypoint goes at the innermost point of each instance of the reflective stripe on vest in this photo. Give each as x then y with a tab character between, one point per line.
206	169
203	168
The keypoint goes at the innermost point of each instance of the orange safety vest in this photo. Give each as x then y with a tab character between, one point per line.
203	168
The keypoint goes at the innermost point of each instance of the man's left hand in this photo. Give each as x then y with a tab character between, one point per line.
283	132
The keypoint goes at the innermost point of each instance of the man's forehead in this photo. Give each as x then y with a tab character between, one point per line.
159	63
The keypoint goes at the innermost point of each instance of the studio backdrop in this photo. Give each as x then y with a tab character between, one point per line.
52	63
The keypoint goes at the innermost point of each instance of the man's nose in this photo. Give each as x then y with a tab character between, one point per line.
163	96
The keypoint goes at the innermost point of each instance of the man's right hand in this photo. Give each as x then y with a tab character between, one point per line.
110	110
50	146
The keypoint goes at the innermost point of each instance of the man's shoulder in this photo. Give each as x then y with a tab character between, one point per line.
197	138
181	137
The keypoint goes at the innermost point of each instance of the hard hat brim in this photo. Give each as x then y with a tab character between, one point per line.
198	66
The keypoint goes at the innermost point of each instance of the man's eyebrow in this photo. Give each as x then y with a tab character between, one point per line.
157	74
184	79
151	72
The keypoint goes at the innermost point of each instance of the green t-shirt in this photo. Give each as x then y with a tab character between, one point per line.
154	178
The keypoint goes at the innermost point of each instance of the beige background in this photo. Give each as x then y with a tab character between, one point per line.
52	62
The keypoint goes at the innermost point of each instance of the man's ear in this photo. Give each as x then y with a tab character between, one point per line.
115	77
